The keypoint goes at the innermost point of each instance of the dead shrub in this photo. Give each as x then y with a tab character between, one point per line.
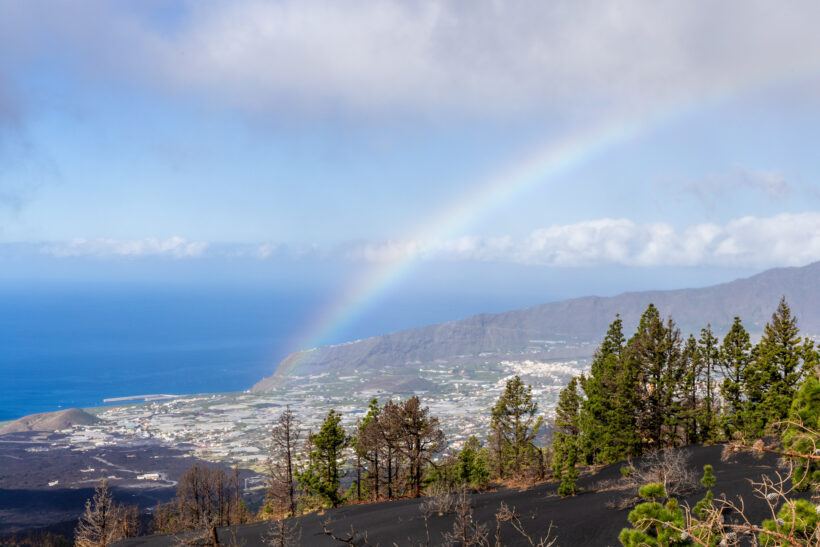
669	467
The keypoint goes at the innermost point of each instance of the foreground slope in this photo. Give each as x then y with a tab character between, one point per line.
586	519
560	330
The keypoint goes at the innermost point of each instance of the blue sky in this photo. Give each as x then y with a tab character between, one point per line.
258	135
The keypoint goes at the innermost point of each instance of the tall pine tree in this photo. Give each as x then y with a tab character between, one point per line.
565	439
367	446
602	424
775	372
689	400
735	355
655	352
708	347
515	424
323	473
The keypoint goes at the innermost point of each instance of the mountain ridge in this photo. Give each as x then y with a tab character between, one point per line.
577	323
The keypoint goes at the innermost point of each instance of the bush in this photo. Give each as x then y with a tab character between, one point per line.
796	518
471	467
652	491
654	524
667	467
800	434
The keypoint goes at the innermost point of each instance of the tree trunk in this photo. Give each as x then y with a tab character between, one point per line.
417	478
358	477
389	473
376	476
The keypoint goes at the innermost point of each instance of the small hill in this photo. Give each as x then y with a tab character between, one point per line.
568	329
50	421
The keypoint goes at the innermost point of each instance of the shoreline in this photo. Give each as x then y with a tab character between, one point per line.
144	398
116	402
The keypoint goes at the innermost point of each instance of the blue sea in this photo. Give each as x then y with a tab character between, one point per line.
63	347
70	346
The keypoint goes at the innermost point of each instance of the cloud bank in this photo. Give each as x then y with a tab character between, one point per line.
780	240
372	56
173	247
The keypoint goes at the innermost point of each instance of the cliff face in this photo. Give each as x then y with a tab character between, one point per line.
567	329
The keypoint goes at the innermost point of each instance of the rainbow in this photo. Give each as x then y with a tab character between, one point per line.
541	165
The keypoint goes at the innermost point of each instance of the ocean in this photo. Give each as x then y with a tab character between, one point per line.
63	347
73	346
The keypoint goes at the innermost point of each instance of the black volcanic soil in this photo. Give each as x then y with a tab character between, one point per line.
585	519
30	461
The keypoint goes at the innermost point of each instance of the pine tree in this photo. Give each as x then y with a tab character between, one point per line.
735	355
708	348
389	427
368	446
800	435
207	498
471	464
322	476
811	358
775	372
602	432
421	438
654	524
569	472
796	518
693	365
565	438
708	481
516	424
281	495
626	408
99	525
655	352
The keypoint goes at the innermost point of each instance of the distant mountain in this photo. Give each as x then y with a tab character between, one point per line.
50	421
563	330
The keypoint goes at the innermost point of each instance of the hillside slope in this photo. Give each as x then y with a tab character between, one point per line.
567	329
586	519
49	421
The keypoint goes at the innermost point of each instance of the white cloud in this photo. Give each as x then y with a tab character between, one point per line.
174	247
462	248
781	240
788	239
482	57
